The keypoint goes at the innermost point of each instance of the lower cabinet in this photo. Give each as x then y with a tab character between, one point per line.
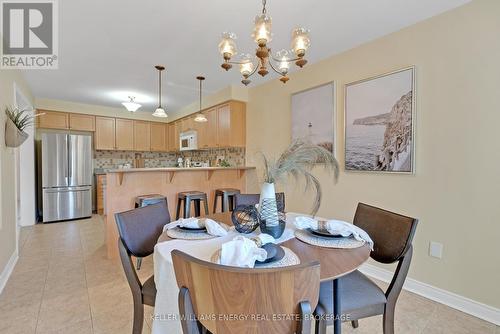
101	193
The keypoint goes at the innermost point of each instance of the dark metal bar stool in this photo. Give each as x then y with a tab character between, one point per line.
145	200
184	199
227	195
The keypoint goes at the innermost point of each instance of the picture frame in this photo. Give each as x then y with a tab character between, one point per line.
314	115
373	141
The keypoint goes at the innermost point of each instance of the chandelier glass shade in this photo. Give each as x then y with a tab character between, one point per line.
262	35
131	105
159	112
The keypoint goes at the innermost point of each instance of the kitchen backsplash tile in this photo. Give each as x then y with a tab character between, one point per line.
113	159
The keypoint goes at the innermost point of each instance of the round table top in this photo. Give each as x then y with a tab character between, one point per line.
334	262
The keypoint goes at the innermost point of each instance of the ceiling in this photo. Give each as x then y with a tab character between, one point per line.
108	48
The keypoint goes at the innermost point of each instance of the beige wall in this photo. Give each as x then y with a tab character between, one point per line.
67	106
7	167
455	190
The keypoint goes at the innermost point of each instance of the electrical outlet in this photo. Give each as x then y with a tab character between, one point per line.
436	249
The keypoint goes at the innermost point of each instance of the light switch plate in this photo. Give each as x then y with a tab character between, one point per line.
436	249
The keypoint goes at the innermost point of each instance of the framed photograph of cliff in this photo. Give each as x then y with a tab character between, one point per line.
379	123
313	115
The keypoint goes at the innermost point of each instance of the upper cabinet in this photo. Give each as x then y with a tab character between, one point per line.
142	136
207	131
225	127
231	127
173	136
65	121
159	137
81	122
104	137
52	120
124	135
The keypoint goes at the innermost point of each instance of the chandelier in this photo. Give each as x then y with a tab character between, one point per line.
262	35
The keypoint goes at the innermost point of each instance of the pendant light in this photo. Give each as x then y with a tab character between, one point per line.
131	105
200	117
159	112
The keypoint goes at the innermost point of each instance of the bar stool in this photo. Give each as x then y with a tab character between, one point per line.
187	196
145	200
227	195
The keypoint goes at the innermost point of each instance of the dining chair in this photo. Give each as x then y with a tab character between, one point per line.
360	297
233	300
139	231
252	199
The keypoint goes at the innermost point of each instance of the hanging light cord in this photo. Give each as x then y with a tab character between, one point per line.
200	94
159	90
263	6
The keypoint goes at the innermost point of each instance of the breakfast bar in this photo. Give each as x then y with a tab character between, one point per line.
124	185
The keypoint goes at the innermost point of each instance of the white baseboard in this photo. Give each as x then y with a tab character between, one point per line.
464	304
9	267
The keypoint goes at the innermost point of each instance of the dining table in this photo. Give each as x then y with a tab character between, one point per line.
334	263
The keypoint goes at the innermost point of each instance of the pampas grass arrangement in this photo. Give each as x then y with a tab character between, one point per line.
298	161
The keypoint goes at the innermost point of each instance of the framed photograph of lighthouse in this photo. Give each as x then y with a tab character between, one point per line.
313	115
379	123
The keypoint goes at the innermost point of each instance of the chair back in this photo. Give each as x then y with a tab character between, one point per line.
252	199
391	233
140	228
218	292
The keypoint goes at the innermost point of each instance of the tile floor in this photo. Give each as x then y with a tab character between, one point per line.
63	283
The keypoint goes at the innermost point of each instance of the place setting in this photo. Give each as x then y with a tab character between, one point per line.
196	229
260	251
330	233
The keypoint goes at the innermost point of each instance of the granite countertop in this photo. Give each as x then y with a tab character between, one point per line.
173	169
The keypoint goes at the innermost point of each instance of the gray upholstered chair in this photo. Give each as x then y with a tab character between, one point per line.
139	230
273	300
359	296
252	199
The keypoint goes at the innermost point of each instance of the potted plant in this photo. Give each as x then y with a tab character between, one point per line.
296	161
17	121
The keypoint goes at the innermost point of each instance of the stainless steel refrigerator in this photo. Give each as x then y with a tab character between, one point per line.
66	176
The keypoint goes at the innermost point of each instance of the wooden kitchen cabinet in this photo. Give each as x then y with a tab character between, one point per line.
173	136
142	136
52	120
104	137
159	138
231	128
207	131
187	124
81	122
100	190
124	134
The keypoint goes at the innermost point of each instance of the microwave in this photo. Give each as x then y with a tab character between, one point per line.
188	140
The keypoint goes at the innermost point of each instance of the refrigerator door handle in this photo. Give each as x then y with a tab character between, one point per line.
70	168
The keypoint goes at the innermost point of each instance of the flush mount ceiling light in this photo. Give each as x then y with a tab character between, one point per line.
159	112
200	117
263	56
131	105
